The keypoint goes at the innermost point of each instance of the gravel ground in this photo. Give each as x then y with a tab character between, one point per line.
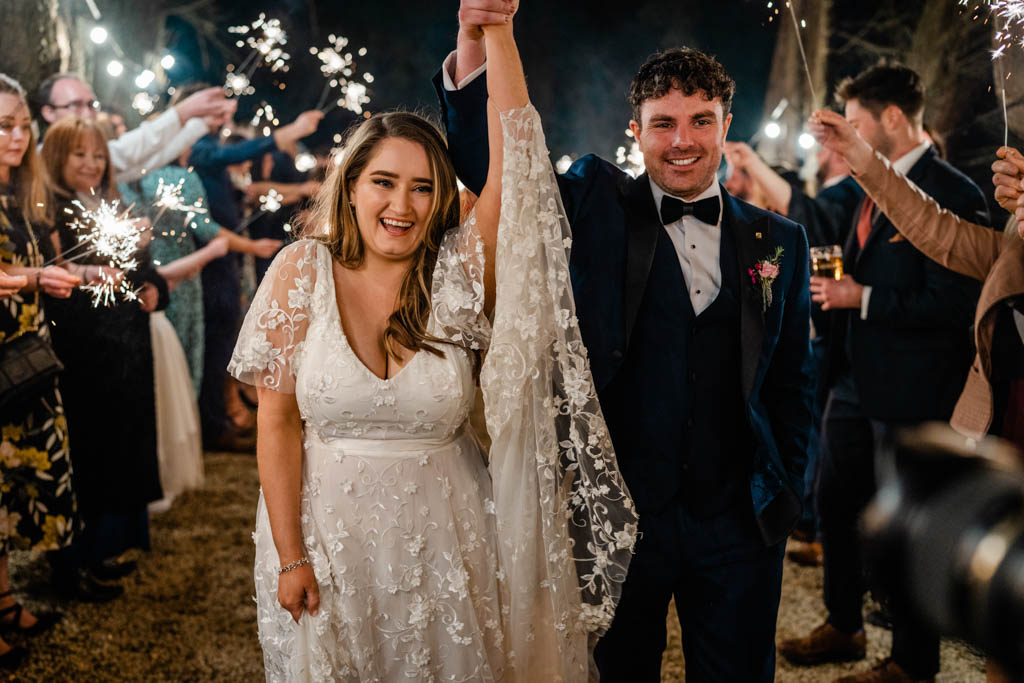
188	614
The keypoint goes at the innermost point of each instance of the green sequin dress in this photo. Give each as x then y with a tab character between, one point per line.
173	238
37	503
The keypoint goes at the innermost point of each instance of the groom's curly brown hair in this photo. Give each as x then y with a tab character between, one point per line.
682	68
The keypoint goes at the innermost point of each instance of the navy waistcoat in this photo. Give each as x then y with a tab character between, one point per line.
709	449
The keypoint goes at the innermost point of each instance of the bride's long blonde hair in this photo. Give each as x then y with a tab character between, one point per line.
333	220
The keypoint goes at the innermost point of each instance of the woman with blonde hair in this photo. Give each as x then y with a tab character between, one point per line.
108	371
37	503
387	547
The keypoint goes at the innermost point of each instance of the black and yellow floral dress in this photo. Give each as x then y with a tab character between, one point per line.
37	503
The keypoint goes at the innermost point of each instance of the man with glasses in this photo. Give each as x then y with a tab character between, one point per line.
153	144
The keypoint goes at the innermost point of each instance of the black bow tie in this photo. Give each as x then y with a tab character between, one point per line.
706	210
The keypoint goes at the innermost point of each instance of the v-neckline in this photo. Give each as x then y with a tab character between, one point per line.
344	336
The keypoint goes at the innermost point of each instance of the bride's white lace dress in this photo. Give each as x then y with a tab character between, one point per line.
433	563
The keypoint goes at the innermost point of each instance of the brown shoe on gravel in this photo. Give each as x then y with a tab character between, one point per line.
824	644
809	555
885	671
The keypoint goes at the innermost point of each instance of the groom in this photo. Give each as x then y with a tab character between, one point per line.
694	307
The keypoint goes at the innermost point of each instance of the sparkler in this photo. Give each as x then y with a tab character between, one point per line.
168	197
269	203
266	38
142	102
803	55
1011	12
339	66
632	161
112	235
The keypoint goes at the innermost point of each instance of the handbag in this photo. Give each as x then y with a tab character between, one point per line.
28	365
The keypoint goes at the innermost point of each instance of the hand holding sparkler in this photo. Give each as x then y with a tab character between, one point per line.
56	281
214	122
834	132
1007	171
148	296
11	284
207	102
305	124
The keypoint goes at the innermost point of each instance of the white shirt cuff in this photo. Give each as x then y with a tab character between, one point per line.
448	74
865	300
1018	320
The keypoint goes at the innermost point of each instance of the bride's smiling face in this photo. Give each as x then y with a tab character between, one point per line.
393	199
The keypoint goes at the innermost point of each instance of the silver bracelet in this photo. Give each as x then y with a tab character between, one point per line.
294	565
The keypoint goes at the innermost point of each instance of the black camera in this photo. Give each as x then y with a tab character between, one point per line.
945	537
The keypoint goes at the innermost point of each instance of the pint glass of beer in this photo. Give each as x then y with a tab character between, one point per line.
827	261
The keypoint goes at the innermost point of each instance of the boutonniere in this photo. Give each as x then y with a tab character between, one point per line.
764	273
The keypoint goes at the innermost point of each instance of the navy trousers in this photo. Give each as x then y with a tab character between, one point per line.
222	312
726	584
846	485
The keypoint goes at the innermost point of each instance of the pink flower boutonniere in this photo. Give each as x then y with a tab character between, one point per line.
764	273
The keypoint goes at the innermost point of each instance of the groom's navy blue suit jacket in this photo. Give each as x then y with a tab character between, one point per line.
616	228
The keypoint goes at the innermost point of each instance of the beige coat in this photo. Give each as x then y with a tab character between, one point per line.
972	250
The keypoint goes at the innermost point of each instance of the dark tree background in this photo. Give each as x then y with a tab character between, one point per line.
579	55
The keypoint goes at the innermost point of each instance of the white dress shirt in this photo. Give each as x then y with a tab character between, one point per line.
903	165
698	247
153	145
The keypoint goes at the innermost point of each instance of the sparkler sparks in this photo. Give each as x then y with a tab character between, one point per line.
237	84
631	161
143	103
1009	21
271	201
339	66
266	39
168	198
112	235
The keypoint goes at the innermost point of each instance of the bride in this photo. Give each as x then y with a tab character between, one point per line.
387	547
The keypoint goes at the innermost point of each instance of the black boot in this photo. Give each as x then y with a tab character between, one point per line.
79	584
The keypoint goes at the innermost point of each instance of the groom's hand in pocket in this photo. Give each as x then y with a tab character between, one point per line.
476	13
297	591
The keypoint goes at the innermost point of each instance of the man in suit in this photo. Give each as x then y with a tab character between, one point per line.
899	355
702	363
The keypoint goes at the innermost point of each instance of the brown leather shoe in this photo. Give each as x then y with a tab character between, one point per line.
824	644
808	555
885	671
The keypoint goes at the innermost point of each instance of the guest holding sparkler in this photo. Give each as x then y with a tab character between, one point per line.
221	280
177	241
37	503
11	284
108	359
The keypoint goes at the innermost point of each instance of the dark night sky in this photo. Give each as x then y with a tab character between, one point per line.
579	56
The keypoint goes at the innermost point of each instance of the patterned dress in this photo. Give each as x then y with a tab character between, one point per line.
37	503
174	238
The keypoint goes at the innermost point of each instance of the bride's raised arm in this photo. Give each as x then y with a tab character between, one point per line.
506	89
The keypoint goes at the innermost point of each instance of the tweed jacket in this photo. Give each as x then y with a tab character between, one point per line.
972	250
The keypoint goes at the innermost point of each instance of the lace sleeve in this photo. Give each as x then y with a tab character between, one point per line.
566	522
269	347
457	295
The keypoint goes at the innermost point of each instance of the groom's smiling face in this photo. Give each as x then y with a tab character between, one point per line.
682	137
